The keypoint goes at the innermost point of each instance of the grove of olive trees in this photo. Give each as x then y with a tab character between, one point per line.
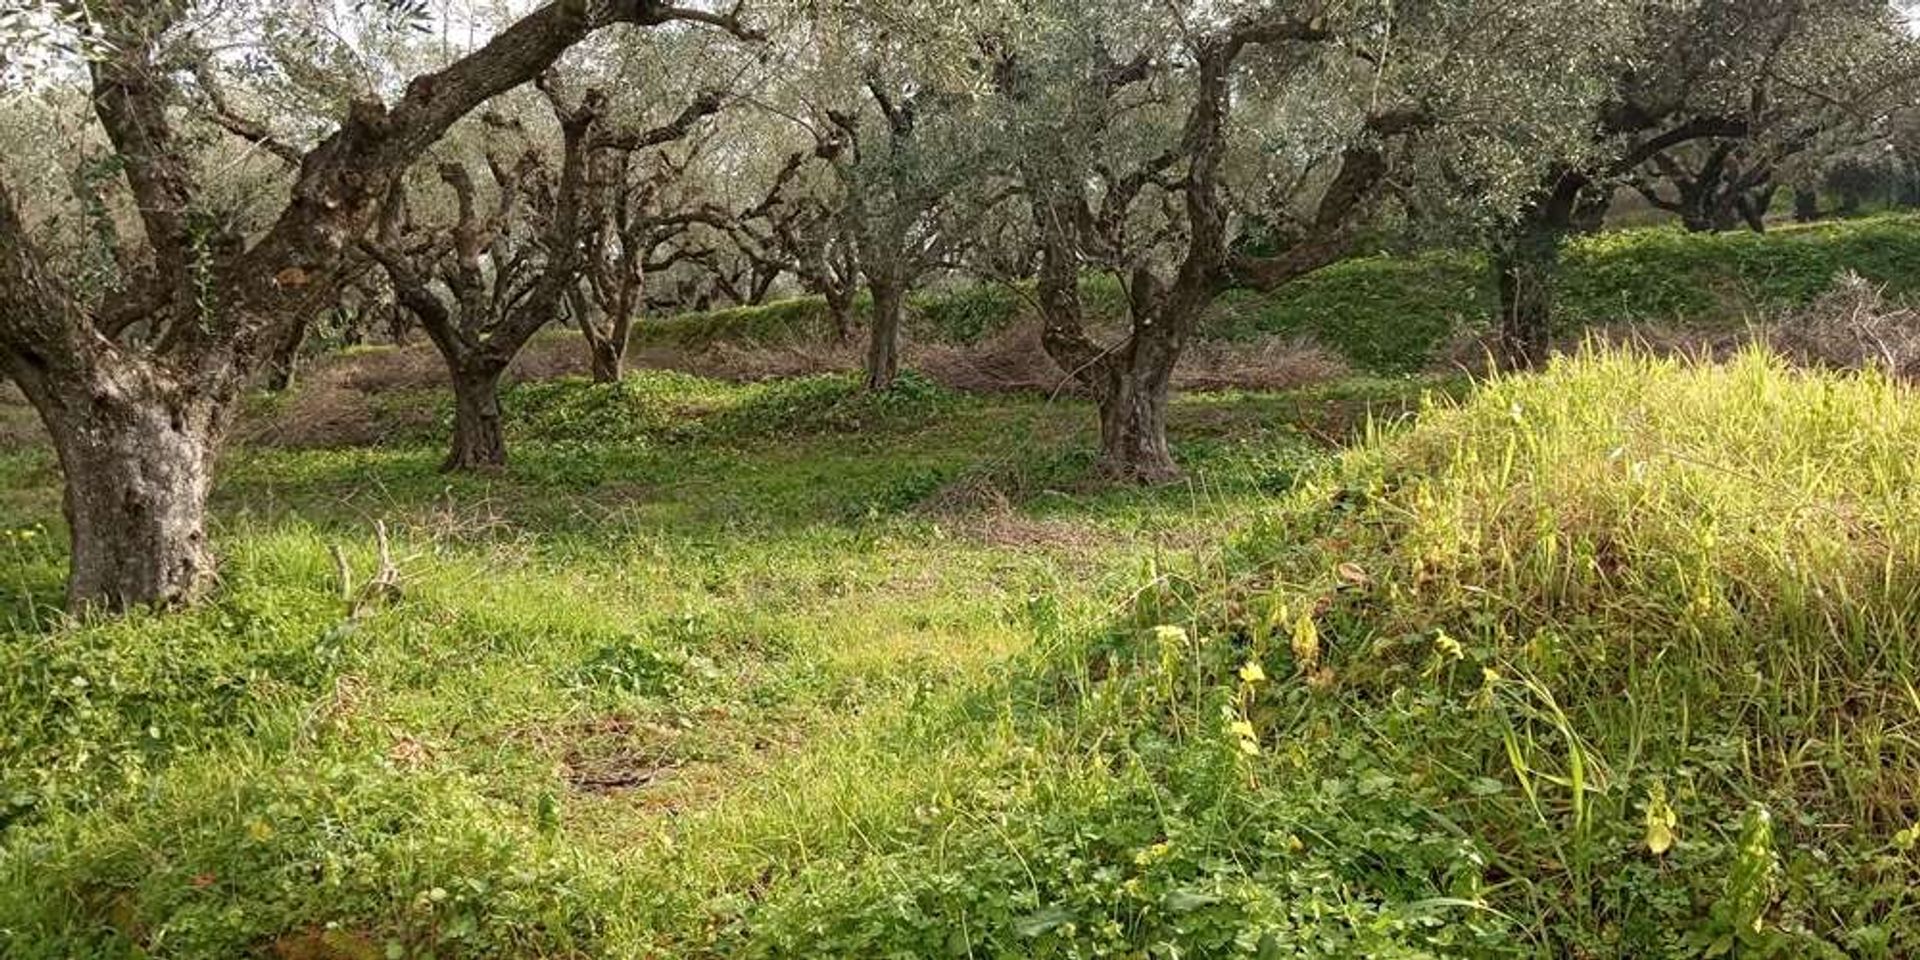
1015	478
1184	150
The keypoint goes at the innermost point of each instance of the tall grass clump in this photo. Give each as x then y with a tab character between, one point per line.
1644	630
1612	661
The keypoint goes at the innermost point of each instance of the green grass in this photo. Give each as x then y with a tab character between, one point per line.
711	672
1391	315
688	624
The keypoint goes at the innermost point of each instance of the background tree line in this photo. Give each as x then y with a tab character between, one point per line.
193	189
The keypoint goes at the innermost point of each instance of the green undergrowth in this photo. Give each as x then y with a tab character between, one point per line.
670	406
608	685
1397	314
1613	660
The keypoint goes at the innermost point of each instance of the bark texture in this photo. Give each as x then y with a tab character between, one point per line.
141	451
883	342
479	443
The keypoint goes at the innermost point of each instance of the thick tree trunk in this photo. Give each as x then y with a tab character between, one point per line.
604	359
1527	269
138	463
1725	215
883	347
479	445
1133	425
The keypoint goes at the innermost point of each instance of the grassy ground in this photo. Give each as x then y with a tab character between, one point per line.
1612	661
687	640
1390	314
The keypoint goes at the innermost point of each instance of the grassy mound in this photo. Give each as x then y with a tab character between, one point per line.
1397	314
1614	661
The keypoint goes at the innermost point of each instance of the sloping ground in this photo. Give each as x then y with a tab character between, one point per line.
1616	660
1399	314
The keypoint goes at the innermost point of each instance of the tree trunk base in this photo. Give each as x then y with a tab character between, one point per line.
137	475
1526	277
479	442
883	349
604	362
1133	433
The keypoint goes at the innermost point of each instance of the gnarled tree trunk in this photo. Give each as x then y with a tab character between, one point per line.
1133	421
137	453
604	360
478	441
883	345
606	342
840	311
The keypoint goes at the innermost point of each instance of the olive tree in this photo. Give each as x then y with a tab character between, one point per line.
1151	140
137	388
1711	94
482	286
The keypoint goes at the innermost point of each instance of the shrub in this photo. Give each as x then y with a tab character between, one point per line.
1852	327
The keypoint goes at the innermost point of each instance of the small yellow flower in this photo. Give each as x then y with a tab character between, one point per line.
1152	853
1661	820
1251	672
1249	747
1170	635
1306	642
1242	729
1447	647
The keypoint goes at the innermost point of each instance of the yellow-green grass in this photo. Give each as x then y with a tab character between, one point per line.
1614	660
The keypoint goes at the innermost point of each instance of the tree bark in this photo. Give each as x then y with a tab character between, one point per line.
1806	205
284	361
1753	208
606	343
883	345
604	360
1133	423
138	462
479	444
1527	268
840	310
